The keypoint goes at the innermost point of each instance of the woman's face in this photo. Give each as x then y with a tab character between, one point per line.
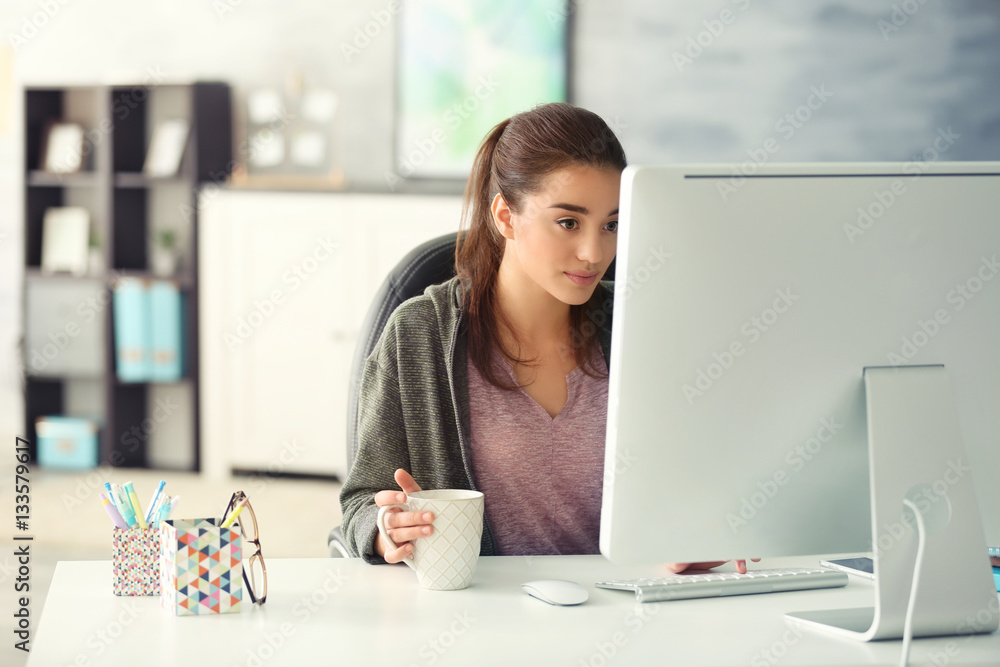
563	237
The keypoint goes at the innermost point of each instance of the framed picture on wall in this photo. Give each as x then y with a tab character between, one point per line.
465	65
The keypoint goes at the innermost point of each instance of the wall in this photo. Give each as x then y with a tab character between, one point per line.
729	80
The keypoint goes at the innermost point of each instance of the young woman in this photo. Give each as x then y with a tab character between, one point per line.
497	380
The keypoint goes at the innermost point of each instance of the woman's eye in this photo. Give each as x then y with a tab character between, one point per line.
612	226
568	223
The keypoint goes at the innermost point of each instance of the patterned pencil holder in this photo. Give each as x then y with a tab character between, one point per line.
135	561
201	567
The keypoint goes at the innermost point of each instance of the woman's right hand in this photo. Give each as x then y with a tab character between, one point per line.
403	527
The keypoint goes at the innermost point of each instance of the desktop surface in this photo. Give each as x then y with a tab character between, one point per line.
344	611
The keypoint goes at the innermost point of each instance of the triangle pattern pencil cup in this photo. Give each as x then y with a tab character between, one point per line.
201	567
135	561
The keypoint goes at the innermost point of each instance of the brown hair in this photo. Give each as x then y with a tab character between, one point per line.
513	160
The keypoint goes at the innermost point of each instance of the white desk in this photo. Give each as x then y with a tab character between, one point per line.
337	611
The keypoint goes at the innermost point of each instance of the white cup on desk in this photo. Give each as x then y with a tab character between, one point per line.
445	560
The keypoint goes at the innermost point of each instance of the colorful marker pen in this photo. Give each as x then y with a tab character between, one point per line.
232	517
125	509
136	507
152	507
109	507
118	498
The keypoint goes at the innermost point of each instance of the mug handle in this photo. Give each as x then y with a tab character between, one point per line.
380	520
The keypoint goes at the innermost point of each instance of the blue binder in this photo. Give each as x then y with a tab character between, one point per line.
165	331
132	343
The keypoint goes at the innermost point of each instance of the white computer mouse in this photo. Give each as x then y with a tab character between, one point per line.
556	591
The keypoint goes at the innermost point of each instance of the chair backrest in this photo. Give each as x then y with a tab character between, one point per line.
428	264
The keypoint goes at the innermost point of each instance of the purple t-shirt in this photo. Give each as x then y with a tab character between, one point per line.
542	476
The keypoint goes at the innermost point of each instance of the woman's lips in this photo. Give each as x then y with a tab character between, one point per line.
582	278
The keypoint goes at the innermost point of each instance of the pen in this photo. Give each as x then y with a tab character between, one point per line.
109	507
125	507
118	498
153	501
173	505
163	511
136	507
232	517
153	511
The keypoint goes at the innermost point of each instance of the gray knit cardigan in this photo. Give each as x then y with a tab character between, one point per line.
414	407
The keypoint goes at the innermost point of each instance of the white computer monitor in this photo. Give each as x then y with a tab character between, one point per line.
746	310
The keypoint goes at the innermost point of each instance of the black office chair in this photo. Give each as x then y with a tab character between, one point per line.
428	264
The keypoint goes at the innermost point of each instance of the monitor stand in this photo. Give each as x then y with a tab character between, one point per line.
915	451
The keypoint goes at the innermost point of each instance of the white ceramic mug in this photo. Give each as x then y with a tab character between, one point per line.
446	559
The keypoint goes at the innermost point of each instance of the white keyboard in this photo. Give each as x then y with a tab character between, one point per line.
718	584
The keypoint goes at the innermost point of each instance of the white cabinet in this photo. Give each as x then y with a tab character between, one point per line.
285	281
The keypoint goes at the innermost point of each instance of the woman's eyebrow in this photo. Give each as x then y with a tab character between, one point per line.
583	210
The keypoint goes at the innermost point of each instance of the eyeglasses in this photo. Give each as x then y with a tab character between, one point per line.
257	581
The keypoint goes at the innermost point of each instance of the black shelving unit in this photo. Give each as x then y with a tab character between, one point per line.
118	124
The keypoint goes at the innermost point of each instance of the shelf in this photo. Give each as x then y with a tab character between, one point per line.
126	208
49	180
147	383
183	280
35	273
64	377
140	180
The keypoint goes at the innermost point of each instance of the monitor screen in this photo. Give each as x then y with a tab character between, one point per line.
745	310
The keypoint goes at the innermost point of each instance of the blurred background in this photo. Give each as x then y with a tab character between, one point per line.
198	198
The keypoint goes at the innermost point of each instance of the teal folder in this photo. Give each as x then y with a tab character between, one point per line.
131	330
166	331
